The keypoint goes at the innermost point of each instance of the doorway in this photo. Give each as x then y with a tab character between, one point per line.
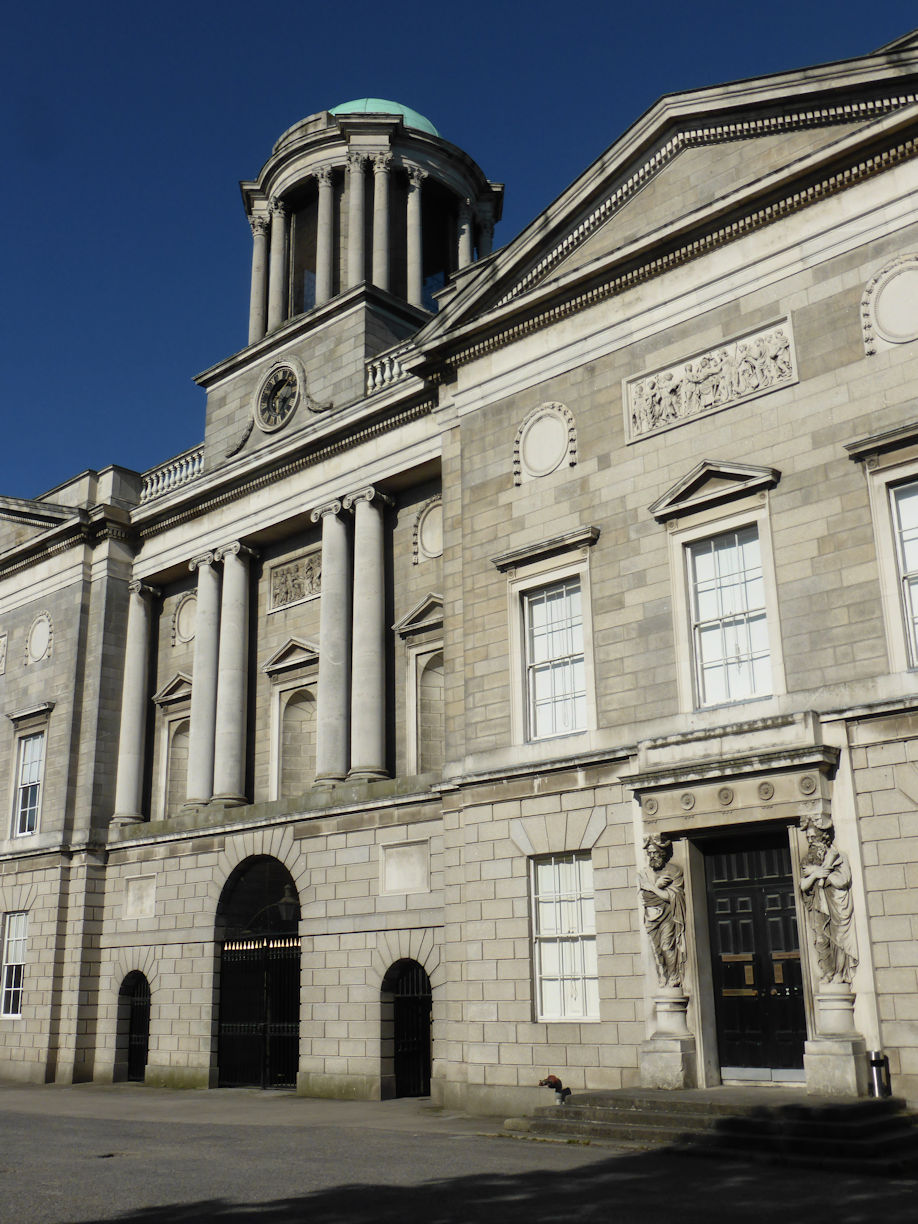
258	1029
407	1003
755	957
134	1023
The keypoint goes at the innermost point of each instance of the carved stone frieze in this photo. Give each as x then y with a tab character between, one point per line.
727	374
296	580
700	798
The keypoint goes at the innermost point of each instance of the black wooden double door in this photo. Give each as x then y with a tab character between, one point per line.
259	1018
755	953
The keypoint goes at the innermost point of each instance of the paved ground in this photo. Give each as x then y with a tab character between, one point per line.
71	1155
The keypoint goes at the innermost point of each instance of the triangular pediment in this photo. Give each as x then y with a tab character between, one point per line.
294	653
174	690
711	483
428	614
693	161
22	519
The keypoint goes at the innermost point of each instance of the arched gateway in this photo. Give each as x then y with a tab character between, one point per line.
258	1003
406	1000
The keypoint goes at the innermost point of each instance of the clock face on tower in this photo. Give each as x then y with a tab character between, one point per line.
277	397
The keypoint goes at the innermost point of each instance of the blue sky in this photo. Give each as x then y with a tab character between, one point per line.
128	127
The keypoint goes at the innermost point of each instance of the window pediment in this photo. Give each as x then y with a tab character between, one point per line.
294	653
711	483
428	614
174	690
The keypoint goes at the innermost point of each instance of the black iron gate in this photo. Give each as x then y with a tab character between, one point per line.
259	1029
412	1003
138	1027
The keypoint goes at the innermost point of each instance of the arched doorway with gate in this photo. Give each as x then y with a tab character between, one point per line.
133	1036
406	1012
258	991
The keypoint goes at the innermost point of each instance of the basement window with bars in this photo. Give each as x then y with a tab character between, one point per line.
564	937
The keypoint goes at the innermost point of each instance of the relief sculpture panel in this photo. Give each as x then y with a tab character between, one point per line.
734	371
296	580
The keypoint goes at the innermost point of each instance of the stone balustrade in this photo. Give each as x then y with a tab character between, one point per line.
172	475
384	371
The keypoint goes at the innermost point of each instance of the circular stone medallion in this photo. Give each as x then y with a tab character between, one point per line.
896	310
430	530
543	445
184	618
39	639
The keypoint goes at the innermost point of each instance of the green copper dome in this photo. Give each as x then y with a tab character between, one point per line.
380	106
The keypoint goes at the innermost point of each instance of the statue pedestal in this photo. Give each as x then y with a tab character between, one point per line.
669	1059
836	1059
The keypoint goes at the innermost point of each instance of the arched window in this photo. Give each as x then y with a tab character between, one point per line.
298	744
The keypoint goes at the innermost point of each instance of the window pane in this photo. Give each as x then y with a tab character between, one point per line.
556	675
564	947
730	633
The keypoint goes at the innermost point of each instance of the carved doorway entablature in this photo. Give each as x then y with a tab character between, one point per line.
779	786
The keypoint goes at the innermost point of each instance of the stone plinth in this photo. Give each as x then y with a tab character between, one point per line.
669	1058
836	1066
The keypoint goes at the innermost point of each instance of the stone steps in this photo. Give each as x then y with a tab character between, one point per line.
866	1135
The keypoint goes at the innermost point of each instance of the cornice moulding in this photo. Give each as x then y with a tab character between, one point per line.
440	332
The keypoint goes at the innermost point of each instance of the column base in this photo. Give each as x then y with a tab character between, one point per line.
127	818
328	781
836	1066
189	804
669	1062
366	774
230	800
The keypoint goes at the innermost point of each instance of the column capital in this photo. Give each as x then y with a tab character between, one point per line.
206	558
137	587
260	226
278	207
382	162
332	507
235	549
465	211
416	175
368	494
323	175
356	162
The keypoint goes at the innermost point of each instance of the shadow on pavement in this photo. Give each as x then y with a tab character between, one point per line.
652	1188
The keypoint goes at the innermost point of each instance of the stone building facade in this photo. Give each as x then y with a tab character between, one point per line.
520	676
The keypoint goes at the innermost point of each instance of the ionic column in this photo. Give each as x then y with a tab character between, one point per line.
277	279
324	236
382	163
232	675
332	724
368	653
355	207
465	233
416	177
485	231
257	302
132	736
204	682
